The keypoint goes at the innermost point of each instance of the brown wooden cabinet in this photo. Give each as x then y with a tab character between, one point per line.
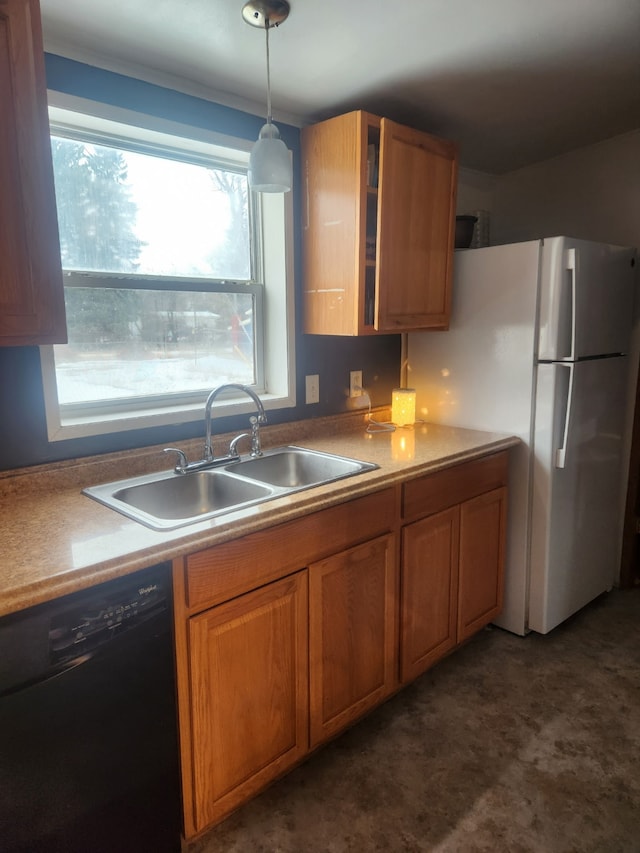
452	559
481	561
286	636
31	290
242	617
249	694
379	224
352	634
429	591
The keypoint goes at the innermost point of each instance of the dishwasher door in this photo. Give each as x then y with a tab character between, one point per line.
88	751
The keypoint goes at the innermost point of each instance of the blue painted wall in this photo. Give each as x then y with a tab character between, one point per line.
23	436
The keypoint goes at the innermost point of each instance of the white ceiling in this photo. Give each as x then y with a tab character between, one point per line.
513	81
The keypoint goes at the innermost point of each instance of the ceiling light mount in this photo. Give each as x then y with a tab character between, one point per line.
266	13
270	161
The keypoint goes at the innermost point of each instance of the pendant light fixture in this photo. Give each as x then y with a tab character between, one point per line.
269	162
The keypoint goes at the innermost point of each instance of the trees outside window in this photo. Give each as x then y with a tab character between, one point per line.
146	242
169	265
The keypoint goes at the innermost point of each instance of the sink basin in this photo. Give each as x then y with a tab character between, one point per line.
171	500
297	468
168	500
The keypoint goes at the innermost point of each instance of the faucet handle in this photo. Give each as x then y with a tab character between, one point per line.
181	464
233	446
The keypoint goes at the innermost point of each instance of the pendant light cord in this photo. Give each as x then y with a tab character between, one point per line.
266	26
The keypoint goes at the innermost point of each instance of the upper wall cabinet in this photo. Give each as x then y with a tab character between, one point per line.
31	290
379	226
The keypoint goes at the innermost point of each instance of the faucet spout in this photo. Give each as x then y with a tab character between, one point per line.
260	419
208	461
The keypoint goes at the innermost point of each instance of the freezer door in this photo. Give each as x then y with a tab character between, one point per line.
586	299
578	487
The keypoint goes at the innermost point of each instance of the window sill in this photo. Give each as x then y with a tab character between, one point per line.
80	427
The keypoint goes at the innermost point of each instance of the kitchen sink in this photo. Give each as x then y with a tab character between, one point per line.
190	496
297	468
168	500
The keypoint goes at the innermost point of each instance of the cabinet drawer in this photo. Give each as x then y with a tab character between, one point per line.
435	492
224	571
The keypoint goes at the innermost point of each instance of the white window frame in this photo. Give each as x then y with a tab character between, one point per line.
274	350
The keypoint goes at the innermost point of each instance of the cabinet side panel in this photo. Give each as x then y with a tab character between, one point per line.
14	252
183	690
31	291
333	158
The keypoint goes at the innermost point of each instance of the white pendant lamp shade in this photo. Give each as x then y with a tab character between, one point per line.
270	163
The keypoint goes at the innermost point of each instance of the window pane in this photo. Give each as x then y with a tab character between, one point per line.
127	343
127	212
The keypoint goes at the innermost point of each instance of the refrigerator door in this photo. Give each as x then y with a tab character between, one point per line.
586	299
577	486
480	375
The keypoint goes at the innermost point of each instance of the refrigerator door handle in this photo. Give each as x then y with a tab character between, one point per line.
561	452
572	265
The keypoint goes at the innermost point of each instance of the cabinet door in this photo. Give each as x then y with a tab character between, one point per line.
31	291
352	634
428	604
416	229
482	540
249	694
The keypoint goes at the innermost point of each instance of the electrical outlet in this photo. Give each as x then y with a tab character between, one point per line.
312	388
355	383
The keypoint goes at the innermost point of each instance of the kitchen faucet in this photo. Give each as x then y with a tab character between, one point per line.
208	460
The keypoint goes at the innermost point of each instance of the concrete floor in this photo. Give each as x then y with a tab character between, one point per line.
525	745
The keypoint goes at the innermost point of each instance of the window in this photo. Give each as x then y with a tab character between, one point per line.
175	275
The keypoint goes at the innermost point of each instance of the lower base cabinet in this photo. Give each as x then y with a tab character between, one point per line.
249	699
481	561
452	560
429	591
352	635
244	611
288	635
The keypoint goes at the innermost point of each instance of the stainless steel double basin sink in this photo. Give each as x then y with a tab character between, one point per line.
167	500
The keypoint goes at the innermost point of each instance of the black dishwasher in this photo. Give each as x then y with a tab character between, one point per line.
88	743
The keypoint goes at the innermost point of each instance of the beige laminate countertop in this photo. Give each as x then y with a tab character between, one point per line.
55	540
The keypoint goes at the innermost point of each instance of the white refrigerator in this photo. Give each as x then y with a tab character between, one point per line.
538	347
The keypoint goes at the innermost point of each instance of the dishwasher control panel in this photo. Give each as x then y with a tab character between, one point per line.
42	641
93	622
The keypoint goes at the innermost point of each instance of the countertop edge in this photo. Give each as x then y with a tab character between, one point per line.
28	586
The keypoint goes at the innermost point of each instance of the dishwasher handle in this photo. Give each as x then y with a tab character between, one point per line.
49	674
